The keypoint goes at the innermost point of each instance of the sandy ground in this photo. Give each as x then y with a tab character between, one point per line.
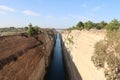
82	50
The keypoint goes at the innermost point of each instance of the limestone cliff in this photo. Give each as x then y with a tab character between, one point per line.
78	50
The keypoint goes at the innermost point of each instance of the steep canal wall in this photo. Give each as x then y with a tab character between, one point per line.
78	48
23	57
70	68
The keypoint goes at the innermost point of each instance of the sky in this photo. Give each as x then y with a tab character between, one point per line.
56	13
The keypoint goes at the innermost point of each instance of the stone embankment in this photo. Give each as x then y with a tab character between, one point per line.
78	48
23	57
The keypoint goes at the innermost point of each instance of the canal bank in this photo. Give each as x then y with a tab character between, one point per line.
56	69
25	57
69	66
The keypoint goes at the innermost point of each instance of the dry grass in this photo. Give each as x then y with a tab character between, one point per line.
107	55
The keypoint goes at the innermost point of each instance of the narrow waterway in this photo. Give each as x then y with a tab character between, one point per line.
56	70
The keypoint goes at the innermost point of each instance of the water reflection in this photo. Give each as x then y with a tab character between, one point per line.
56	71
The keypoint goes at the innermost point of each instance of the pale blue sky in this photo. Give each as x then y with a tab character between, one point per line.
56	13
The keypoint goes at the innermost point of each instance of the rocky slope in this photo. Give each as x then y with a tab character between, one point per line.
80	47
25	58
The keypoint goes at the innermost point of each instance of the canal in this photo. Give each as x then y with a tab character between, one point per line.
56	69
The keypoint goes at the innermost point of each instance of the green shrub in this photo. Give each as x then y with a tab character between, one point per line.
88	25
32	30
80	25
113	25
100	25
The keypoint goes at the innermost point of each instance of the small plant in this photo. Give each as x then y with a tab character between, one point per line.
32	30
70	39
113	25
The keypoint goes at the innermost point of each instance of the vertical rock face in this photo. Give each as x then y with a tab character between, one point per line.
71	70
78	48
24	57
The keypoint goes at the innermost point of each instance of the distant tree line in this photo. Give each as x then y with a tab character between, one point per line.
112	25
30	29
10	29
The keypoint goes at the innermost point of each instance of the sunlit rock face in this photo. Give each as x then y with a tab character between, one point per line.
80	48
23	57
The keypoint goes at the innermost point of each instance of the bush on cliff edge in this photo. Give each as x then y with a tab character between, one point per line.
32	30
107	55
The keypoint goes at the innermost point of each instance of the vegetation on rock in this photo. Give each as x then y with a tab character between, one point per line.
111	26
107	51
33	30
70	39
107	55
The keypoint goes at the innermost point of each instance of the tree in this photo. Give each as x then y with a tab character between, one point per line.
113	25
80	25
88	25
32	30
96	25
100	25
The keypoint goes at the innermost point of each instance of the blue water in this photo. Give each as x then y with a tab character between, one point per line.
56	70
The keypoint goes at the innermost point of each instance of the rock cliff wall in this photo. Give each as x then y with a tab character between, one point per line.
25	58
78	47
70	68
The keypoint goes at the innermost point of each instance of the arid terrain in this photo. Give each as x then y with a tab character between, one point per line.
80	45
23	57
